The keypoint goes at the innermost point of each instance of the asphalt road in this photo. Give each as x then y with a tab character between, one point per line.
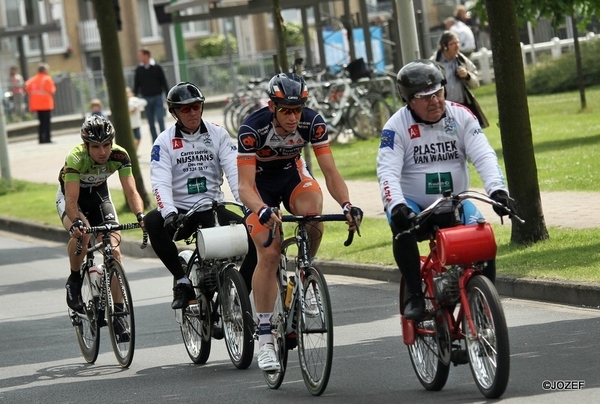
40	361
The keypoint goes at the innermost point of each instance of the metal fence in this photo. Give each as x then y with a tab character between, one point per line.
223	75
215	76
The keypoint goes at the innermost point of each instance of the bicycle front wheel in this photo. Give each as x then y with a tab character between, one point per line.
315	336
87	327
489	351
236	313
278	328
119	313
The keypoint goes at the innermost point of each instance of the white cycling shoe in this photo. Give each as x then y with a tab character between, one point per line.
267	359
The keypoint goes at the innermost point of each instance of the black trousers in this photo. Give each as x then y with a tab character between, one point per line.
45	126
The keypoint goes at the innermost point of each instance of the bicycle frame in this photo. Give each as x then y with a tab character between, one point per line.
98	303
211	267
308	325
451	275
430	267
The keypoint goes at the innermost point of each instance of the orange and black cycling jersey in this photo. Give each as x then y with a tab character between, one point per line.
259	143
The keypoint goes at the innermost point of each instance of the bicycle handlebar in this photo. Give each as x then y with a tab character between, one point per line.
332	217
449	198
109	228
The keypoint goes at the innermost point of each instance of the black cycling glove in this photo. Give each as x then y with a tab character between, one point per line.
403	217
502	197
173	220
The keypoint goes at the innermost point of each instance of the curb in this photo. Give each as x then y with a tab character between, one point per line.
560	292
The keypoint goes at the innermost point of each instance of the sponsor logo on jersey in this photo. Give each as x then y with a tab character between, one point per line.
450	127
176	144
414	132
247	141
435	152
195	156
320	131
207	140
387	192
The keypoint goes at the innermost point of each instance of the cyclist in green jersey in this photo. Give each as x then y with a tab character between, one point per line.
83	198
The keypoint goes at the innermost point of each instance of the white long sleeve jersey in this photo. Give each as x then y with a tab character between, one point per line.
419	161
187	168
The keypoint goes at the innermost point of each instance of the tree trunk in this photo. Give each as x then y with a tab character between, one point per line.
115	82
580	76
281	45
515	127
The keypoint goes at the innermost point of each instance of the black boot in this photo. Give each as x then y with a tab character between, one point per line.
415	307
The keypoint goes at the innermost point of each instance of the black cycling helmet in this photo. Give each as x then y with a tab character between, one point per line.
184	93
287	89
97	129
418	76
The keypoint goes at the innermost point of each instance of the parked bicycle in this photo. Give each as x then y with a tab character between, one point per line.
348	105
464	321
106	296
222	308
302	316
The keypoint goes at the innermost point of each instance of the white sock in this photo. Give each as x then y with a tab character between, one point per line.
265	336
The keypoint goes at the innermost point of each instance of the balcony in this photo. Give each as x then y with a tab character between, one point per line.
89	37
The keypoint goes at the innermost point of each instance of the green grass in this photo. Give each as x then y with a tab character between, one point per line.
565	141
566	145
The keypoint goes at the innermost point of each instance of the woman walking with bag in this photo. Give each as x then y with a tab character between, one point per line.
461	75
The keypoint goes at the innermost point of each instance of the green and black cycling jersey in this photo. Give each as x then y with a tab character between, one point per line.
80	167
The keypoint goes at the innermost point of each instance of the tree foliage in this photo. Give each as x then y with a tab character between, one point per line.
293	34
215	45
553	10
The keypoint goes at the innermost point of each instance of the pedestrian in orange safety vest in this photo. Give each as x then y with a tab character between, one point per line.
40	89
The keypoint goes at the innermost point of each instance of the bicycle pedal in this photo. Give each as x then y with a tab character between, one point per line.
75	320
192	310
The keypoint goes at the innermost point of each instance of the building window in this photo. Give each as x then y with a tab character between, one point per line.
195	28
22	13
149	28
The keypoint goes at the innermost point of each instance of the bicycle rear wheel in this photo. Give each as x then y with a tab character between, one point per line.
489	353
196	319
236	313
119	316
425	355
87	327
315	332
